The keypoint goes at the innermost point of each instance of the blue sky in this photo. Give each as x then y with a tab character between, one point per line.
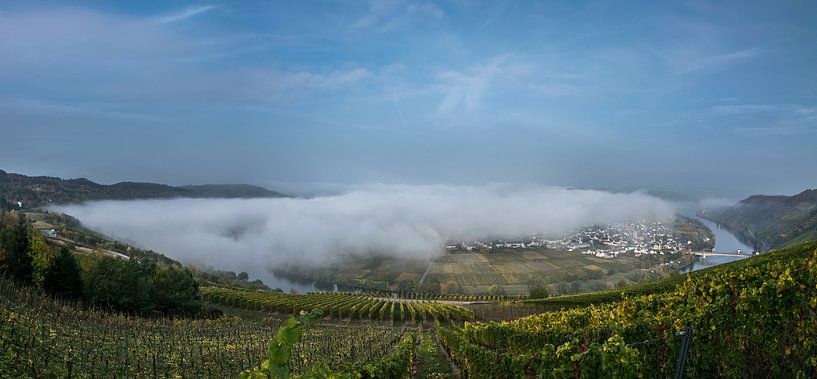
715	99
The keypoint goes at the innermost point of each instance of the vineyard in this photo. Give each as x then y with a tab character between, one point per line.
664	285
340	305
41	337
443	297
754	318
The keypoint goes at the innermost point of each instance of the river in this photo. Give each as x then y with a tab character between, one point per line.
286	285
725	242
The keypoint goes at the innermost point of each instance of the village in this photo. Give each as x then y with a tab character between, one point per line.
630	239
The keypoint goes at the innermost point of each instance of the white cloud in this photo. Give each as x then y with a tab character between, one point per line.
386	15
129	60
776	119
67	110
740	109
694	47
777	130
184	14
331	80
65	39
405	221
425	9
806	111
464	89
555	89
685	59
713	61
791	111
715	202
276	85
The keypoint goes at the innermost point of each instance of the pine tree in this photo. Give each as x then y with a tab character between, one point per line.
17	244
64	279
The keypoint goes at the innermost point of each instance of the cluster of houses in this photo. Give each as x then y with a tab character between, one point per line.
635	239
632	238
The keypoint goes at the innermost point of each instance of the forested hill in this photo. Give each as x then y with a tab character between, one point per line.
35	191
243	191
769	222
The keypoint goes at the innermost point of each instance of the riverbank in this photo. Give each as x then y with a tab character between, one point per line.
725	241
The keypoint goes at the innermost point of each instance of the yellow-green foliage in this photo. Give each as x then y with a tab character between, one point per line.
757	318
41	259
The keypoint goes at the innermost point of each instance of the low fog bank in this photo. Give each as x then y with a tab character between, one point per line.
407	221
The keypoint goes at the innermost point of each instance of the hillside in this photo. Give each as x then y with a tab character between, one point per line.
71	311
654	287
768	222
44	337
753	318
34	191
243	191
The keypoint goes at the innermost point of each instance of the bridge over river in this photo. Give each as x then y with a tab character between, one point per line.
705	254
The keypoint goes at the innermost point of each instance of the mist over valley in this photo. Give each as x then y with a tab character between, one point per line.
401	221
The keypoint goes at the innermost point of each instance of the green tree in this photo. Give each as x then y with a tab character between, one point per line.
563	288
140	290
64	279
17	244
101	286
407	286
538	288
5	205
177	292
124	285
41	259
496	290
539	292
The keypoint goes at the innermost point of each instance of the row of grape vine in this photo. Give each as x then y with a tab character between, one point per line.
340	305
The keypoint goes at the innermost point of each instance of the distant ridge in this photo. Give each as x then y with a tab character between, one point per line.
231	191
35	191
769	222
